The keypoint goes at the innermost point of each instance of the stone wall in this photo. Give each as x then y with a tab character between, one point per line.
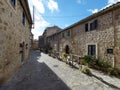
35	45
117	37
52	30
12	34
49	35
106	36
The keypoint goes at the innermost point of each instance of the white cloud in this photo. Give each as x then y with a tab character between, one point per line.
38	5
66	25
93	10
52	5
79	1
110	2
39	22
39	26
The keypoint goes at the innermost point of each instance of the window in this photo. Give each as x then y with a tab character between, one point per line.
93	25
92	50
68	33
50	38
13	2
109	51
53	37
96	23
86	27
23	18
63	35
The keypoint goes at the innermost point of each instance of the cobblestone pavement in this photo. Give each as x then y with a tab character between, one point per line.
46	73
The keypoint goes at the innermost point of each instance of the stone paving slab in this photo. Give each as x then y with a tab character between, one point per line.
111	80
79	81
47	73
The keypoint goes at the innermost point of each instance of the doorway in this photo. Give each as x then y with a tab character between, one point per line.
67	49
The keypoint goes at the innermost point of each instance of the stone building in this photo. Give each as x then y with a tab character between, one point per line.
53	41
15	30
35	45
98	35
43	41
31	40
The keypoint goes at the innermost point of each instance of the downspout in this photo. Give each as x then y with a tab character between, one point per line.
114	37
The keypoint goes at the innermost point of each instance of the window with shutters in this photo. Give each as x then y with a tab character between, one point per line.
63	35
23	18
93	25
86	27
92	50
13	3
68	33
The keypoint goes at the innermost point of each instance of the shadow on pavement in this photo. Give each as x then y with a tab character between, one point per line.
111	85
35	75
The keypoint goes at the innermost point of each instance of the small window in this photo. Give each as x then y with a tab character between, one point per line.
53	37
93	25
86	27
23	18
56	37
13	2
68	33
109	51
63	35
92	50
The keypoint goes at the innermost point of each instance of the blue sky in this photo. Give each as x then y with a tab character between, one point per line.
63	12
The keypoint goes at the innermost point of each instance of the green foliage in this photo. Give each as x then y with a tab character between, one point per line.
64	56
93	61
90	60
86	70
87	58
54	51
112	71
103	65
49	52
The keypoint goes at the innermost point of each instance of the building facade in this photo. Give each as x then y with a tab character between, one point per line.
43	41
35	45
15	31
97	35
53	41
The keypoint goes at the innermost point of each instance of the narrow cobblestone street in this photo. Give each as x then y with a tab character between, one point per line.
46	73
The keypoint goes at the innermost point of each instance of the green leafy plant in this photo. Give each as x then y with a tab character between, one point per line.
112	71
102	65
87	58
86	70
64	56
90	60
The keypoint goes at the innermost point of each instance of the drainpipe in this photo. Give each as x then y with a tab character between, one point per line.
114	37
